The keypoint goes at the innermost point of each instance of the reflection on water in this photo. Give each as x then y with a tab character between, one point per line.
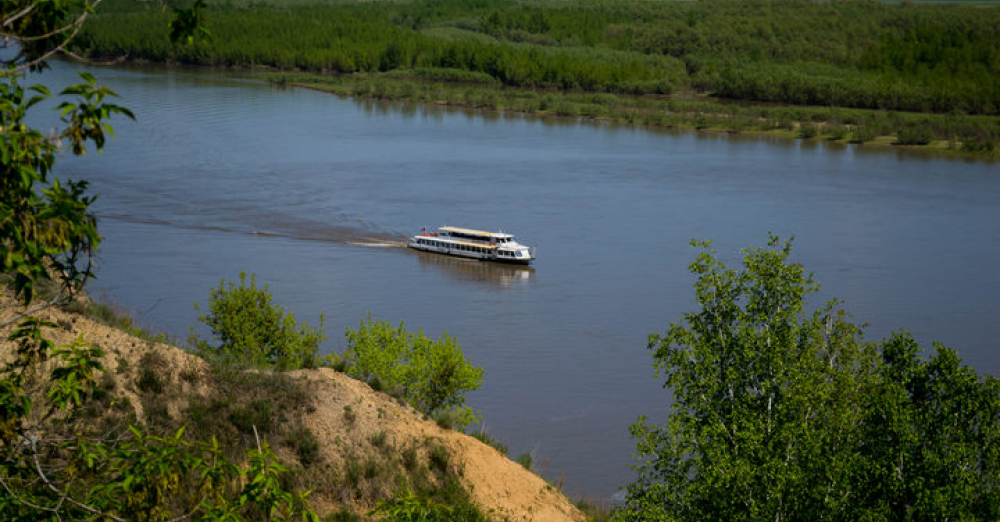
497	275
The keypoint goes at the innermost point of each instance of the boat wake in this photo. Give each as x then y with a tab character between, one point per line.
362	235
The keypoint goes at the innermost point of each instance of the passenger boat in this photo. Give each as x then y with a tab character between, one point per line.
475	244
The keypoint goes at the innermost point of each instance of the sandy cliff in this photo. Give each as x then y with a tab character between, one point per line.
351	423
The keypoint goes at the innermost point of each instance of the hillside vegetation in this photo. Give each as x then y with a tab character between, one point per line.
354	448
927	58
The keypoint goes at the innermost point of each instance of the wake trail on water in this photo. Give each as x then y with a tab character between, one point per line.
361	235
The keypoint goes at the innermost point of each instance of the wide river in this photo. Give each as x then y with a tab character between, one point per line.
312	193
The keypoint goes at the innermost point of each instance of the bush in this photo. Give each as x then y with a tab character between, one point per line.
304	442
378	439
524	459
483	436
782	410
972	145
151	365
252	330
149	381
863	133
837	132
914	135
438	456
432	375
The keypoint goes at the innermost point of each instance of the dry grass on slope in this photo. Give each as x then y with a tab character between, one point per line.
350	445
357	422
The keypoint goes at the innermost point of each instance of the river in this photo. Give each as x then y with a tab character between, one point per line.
312	193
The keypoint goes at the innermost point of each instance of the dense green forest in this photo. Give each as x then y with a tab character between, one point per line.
926	58
940	58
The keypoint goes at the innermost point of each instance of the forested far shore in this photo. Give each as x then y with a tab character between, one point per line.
933	59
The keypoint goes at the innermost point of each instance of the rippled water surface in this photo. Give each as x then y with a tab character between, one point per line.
314	194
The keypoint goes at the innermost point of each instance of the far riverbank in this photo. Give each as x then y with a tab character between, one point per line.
922	76
916	132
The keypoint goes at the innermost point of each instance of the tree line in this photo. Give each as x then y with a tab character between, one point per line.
854	53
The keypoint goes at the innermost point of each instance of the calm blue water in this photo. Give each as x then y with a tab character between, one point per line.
222	174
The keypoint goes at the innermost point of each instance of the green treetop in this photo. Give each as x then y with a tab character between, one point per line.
784	414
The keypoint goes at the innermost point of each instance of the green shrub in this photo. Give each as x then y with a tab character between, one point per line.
352	471
808	130
483	436
863	133
438	456
736	436
410	507
258	414
973	145
149	381
445	420
304	442
252	330
151	364
432	375
409	458
836	132
189	375
914	135
378	439
524	459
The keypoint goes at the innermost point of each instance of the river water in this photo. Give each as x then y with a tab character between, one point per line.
313	194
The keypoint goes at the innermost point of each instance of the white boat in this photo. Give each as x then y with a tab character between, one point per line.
475	244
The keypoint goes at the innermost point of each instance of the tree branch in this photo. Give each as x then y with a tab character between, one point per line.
17	16
37	309
76	25
65	496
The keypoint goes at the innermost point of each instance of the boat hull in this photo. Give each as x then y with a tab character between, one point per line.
452	250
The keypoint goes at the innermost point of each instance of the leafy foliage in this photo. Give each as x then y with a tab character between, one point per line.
544	56
45	223
783	414
251	329
865	54
410	507
55	464
432	375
